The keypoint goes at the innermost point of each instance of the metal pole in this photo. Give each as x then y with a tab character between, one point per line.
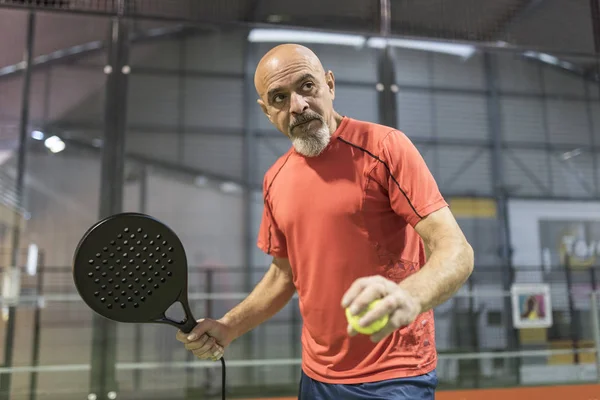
575	323
249	170
590	120
5	379
387	97
596	329
102	380
37	328
494	124
208	306
181	99
546	126
474	332
595	16
138	339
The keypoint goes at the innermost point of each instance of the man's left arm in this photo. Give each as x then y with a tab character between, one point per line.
449	264
414	195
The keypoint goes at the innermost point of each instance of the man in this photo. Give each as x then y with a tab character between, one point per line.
349	213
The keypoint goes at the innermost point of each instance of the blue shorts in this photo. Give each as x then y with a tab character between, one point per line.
414	388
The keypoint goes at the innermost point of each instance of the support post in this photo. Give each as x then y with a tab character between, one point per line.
138	331
102	381
5	379
387	96
500	194
596	329
595	16
37	327
249	171
387	79
575	325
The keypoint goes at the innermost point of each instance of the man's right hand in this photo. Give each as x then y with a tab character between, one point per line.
208	339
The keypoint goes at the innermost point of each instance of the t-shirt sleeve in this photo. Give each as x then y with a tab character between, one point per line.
271	239
412	189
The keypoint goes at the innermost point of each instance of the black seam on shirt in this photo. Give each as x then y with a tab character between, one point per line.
386	167
267	194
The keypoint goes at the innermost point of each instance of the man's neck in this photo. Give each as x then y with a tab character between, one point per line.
334	122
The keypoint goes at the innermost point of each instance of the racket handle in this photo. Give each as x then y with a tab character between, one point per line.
188	325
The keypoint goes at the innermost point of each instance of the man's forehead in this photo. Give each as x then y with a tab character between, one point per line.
283	74
285	64
289	78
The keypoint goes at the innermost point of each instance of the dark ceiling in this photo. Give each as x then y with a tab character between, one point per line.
561	27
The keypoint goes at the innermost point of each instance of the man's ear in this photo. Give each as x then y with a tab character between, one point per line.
264	108
330	80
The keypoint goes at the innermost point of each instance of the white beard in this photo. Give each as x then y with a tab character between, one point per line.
312	144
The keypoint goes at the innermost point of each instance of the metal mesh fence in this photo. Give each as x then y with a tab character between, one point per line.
471	335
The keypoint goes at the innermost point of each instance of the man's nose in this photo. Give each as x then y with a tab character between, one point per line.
298	104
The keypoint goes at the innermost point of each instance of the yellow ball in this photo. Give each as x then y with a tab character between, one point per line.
369	329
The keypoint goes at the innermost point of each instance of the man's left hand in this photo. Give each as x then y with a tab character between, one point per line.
396	302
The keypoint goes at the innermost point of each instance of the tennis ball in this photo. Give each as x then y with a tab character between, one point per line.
369	329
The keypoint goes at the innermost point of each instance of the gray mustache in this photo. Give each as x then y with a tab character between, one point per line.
304	119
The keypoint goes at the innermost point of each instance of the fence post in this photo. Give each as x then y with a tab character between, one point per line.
596	329
575	321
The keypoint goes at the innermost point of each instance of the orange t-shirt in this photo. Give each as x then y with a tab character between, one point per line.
348	213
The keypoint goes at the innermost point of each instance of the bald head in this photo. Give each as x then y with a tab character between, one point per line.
296	94
282	57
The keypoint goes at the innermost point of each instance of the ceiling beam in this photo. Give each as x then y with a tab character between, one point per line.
510	18
79	51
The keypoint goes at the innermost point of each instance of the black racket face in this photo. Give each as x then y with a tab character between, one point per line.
130	268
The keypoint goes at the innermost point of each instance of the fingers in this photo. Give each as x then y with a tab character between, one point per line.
209	350
214	353
404	311
351	331
182	337
366	297
353	291
363	292
398	319
200	343
400	307
201	328
218	353
206	347
386	306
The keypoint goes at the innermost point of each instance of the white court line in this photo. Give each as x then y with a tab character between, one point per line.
275	362
60	297
74	297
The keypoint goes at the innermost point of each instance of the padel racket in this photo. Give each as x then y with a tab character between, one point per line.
132	268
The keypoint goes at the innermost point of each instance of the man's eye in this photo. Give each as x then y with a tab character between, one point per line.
308	85
278	98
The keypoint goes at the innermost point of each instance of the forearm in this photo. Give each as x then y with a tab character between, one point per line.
269	296
446	270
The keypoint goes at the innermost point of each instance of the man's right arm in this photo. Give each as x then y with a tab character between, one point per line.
269	296
209	337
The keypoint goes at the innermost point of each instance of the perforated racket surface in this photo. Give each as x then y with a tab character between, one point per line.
132	268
